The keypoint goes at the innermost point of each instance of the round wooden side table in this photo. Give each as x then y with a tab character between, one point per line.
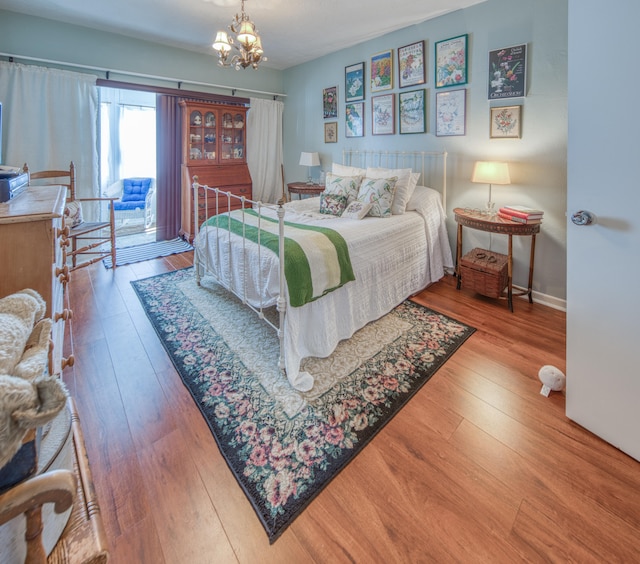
304	189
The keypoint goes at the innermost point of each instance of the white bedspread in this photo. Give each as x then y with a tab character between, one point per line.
392	258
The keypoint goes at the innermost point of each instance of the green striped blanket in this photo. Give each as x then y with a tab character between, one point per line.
316	258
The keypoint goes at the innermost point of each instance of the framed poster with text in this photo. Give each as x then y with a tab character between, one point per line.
354	119
451	112
382	114
412	111
354	82
508	72
411	64
451	61
330	102
381	72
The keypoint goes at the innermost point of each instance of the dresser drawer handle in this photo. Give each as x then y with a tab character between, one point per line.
65	314
70	361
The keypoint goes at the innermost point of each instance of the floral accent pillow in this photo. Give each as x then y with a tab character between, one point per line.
379	193
332	204
72	214
356	210
405	185
343	186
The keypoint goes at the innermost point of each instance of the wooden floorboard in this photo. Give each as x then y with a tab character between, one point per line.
477	467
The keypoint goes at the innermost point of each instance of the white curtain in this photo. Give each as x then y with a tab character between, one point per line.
50	119
264	148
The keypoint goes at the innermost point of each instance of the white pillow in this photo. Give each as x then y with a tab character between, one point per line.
378	192
356	210
404	186
347	186
345	170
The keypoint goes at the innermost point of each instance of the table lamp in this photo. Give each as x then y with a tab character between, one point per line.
309	159
488	172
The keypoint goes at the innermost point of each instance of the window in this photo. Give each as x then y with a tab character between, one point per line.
127	135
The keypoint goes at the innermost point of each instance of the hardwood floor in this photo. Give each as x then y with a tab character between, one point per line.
478	467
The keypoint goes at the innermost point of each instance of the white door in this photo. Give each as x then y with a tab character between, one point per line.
603	259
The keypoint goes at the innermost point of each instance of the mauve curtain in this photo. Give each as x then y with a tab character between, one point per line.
168	165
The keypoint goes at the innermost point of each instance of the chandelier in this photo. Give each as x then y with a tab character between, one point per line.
247	42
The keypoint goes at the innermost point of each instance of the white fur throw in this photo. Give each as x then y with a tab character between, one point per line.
18	314
28	397
26	405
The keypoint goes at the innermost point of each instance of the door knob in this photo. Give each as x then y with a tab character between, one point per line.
583	218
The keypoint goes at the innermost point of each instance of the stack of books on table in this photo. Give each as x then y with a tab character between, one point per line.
521	214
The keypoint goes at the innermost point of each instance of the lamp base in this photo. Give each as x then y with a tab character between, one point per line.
490	209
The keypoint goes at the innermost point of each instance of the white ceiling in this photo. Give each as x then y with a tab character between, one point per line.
292	31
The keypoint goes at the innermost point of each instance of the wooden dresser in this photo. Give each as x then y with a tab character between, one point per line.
214	140
33	254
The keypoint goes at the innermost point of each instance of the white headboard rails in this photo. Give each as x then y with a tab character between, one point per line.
431	165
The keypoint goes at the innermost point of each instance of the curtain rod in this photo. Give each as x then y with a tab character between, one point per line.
179	81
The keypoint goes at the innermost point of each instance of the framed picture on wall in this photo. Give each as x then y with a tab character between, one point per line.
354	82
411	64
508	72
330	102
381	71
354	119
451	109
383	114
331	132
451	61
506	122
412	111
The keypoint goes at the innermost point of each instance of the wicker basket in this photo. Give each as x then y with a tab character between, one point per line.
485	272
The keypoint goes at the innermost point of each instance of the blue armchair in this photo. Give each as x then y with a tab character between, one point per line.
136	199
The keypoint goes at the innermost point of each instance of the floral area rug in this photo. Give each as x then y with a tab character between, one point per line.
285	446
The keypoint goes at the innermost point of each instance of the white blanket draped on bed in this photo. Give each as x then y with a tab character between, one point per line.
392	258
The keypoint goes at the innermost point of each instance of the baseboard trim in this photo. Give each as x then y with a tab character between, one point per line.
538	297
544	299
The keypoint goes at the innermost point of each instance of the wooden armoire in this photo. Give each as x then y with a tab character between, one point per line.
214	148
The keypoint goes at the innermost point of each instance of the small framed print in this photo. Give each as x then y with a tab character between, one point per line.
411	64
354	82
354	119
506	122
382	114
382	71
412	111
451	61
330	102
331	132
451	112
508	72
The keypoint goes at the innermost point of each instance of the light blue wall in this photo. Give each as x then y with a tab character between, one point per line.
537	160
46	39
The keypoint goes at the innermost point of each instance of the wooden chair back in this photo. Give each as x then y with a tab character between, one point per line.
58	177
87	238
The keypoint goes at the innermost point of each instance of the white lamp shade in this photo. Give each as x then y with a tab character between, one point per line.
221	42
247	33
309	159
488	172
